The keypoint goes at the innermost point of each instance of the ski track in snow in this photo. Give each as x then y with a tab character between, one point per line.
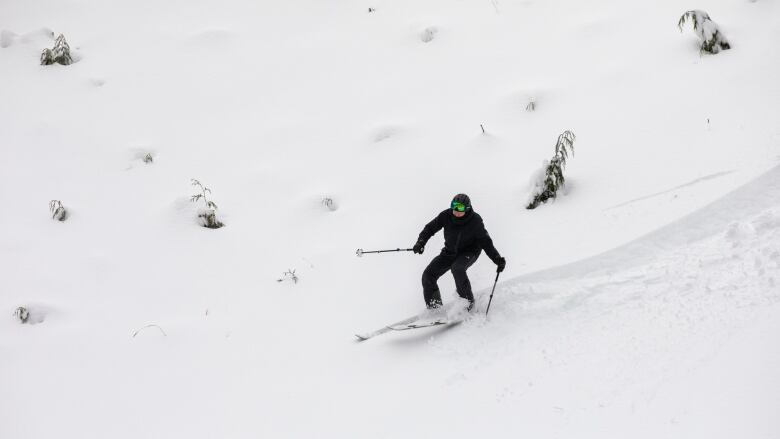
682	186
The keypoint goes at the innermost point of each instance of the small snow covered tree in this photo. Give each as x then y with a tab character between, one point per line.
47	58
61	51
60	54
22	314
208	214
58	211
330	204
713	40
550	178
428	34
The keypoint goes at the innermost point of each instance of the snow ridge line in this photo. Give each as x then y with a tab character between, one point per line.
748	200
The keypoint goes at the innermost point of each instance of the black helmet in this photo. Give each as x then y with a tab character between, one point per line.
461	199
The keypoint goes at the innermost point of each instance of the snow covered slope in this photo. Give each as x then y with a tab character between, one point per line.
642	303
674	334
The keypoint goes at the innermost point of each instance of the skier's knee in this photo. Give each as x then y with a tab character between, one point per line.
459	271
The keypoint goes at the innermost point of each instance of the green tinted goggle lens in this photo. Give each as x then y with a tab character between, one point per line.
460	207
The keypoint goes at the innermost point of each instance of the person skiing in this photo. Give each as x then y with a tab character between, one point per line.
464	239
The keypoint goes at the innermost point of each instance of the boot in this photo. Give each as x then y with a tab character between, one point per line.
433	300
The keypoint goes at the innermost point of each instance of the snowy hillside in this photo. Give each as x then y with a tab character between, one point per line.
642	302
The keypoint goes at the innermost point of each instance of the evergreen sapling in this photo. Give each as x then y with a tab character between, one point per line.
713	40
60	54
550	178
209	214
22	314
428	34
57	210
330	204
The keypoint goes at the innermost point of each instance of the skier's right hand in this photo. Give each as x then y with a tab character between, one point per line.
419	247
500	265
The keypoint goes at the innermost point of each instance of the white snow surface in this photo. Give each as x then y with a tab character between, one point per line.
642	303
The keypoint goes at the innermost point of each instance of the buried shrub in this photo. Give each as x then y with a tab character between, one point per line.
58	211
22	314
289	275
329	204
60	54
428	34
549	179
208	215
712	38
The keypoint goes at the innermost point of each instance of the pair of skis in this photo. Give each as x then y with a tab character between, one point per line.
425	319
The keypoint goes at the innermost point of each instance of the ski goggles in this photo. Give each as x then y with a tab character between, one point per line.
460	207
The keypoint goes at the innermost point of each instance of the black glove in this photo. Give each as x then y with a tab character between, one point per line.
501	264
419	248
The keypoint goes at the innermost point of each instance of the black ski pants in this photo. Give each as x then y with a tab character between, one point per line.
441	264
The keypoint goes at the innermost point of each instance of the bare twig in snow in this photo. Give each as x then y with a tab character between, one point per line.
149	326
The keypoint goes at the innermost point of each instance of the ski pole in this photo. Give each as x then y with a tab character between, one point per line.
491	294
360	251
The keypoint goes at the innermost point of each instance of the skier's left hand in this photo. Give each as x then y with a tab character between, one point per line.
500	265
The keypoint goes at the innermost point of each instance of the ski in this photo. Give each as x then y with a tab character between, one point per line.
417	325
388	328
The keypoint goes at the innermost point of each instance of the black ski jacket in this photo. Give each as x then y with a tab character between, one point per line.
461	235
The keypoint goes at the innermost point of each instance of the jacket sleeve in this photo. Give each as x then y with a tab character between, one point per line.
430	229
487	244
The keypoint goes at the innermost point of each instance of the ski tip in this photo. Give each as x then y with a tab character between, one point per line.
361	337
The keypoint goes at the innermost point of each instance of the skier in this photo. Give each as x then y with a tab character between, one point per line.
464	239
